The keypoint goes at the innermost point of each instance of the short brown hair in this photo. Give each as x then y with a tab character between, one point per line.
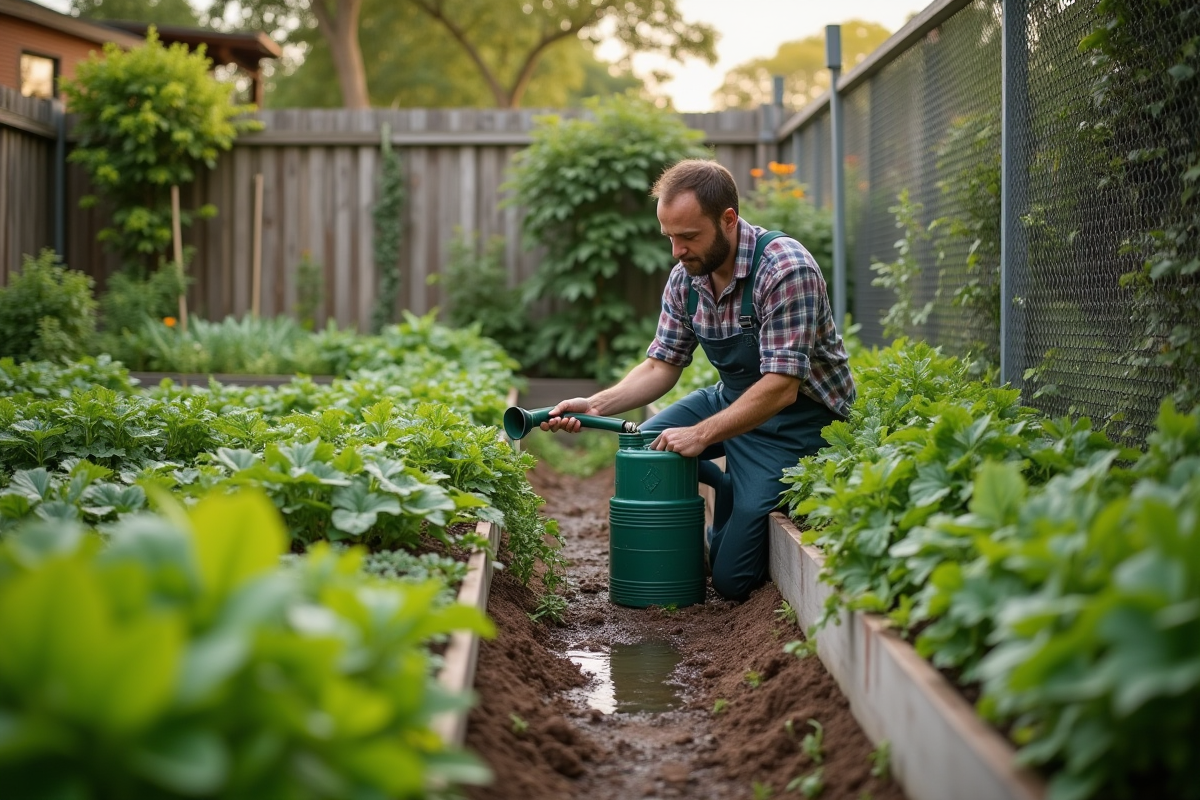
712	184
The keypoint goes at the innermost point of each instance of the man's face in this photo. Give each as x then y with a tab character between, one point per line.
697	242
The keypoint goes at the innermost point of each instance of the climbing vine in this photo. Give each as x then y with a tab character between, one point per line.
389	232
1146	55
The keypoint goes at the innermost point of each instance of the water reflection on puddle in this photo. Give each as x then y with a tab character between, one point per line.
630	677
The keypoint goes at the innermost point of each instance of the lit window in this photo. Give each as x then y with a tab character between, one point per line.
37	75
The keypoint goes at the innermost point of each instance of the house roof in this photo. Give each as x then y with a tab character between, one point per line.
244	49
84	29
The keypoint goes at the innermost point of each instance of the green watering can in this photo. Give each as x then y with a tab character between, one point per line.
656	516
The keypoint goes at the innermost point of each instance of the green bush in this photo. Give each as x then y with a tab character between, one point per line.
246	346
585	184
129	304
182	660
47	311
147	119
475	281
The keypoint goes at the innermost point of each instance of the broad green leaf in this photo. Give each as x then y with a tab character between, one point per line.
236	460
237	537
191	761
33	484
999	492
357	508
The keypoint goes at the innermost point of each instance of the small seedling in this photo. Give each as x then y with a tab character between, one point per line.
753	679
790	728
813	744
720	706
810	785
762	791
786	613
801	648
670	608
881	760
551	607
519	726
776	633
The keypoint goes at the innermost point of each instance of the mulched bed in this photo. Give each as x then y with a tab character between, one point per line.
566	749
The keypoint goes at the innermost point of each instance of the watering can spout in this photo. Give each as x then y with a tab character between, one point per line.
518	421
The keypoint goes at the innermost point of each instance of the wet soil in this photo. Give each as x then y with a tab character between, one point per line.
535	727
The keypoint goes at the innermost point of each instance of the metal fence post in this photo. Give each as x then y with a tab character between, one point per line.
833	60
1014	181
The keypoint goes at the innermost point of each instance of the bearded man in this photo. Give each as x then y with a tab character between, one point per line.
757	304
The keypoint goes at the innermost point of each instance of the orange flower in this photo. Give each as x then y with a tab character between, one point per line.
798	194
781	169
756	173
169	322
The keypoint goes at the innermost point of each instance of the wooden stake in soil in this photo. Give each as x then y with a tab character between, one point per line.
256	262
178	237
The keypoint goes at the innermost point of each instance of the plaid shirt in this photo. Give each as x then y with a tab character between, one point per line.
797	336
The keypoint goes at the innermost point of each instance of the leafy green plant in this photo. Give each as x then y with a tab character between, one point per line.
585	186
753	679
881	760
249	346
310	289
519	726
813	743
550	607
720	705
180	659
762	791
46	311
129	304
388	215
810	785
904	316
147	119
1145	62
801	648
475	282
787	614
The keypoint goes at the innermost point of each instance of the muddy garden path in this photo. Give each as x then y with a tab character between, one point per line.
538	726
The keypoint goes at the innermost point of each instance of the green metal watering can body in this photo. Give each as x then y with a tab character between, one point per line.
656	516
656	528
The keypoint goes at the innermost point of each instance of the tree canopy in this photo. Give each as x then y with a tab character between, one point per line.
802	65
160	12
505	45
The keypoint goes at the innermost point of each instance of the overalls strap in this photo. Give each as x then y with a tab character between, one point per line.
746	318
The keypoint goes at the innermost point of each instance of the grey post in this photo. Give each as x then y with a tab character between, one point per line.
1014	180
60	179
833	60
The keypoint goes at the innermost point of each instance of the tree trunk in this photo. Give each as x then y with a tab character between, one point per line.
340	29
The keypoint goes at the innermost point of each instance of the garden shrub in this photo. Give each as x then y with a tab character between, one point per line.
585	184
475	281
129	304
779	202
177	658
47	311
147	119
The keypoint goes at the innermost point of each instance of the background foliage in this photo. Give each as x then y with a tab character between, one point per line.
585	184
46	311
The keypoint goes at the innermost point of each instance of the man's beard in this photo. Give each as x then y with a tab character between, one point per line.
711	260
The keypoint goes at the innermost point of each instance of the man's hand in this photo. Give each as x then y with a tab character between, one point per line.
687	441
560	415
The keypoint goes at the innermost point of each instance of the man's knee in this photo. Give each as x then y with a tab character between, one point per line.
733	585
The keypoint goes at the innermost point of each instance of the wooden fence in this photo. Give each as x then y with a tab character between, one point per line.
27	142
319	170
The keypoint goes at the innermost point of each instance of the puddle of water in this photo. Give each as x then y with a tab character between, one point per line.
630	677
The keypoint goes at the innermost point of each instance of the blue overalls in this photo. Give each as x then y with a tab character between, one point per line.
749	488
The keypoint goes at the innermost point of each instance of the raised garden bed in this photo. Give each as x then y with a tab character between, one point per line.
940	748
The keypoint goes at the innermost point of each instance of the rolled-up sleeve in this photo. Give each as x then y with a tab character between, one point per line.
787	301
674	341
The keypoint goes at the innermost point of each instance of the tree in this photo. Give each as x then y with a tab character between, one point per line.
412	62
503	43
148	119
802	65
160	12
337	22
507	64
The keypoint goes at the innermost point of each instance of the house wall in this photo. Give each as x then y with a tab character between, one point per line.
18	36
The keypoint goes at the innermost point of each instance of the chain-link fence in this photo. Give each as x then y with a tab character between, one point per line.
1102	255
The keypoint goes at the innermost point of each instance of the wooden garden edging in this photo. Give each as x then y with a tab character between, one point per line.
940	749
458	668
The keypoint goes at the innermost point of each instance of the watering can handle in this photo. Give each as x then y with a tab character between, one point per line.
518	422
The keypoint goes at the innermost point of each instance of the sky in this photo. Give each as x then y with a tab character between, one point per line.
754	29
749	29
